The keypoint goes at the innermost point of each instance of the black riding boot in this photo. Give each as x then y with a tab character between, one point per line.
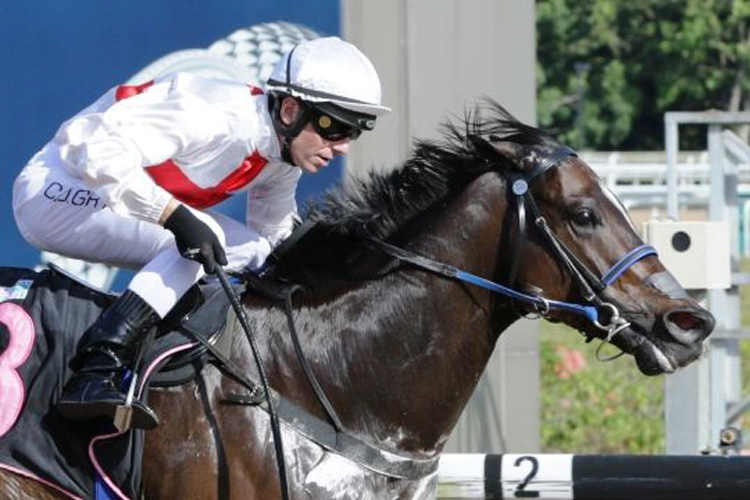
106	351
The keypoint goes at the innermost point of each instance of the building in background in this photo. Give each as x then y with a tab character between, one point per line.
436	59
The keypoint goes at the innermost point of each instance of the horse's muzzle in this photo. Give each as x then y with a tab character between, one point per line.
671	340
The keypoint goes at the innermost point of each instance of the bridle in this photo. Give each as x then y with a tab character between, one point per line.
589	284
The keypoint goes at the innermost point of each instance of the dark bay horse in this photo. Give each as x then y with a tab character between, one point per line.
397	348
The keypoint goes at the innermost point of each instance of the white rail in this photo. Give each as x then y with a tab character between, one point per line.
640	178
588	477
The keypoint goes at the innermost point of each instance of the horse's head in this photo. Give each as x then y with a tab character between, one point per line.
576	235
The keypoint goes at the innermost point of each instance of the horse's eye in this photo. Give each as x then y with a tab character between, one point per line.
584	217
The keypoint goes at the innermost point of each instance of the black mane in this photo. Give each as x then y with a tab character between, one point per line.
379	205
384	202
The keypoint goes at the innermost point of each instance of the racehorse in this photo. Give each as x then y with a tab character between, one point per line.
406	283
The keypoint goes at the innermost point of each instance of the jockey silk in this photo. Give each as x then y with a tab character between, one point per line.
204	127
97	189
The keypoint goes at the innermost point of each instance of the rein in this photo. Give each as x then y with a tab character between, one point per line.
274	418
588	283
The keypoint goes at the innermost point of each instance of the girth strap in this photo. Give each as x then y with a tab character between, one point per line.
329	437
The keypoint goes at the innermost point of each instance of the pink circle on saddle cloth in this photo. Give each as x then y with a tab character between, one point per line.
12	393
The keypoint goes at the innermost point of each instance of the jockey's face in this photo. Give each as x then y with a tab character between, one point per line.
309	150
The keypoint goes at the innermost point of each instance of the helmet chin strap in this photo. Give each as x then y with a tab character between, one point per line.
290	131
286	150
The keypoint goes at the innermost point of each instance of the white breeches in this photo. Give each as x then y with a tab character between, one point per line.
59	213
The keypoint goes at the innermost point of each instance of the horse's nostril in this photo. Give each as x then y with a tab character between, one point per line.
685	320
689	326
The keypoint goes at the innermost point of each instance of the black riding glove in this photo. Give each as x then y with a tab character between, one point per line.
195	240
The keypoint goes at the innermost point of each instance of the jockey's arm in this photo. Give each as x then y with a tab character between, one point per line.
111	149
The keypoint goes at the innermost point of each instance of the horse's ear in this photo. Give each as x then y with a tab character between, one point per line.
496	148
483	146
508	150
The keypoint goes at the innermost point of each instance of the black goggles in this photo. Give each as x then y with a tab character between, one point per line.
331	129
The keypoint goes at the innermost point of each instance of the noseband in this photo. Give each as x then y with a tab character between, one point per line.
588	283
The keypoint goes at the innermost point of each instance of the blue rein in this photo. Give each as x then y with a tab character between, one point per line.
589	311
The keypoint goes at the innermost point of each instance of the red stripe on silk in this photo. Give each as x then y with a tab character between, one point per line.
125	91
169	176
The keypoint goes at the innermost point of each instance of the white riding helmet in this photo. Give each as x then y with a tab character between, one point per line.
330	70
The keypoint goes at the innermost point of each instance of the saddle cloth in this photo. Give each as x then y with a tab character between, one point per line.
34	440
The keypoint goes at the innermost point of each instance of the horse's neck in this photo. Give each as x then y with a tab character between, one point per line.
409	349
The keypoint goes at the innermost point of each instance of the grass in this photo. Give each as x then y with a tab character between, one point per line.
596	407
589	406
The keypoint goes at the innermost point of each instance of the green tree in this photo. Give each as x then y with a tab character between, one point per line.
609	69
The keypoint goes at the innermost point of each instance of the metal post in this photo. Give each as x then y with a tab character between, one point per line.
671	136
698	397
718	303
686	395
724	303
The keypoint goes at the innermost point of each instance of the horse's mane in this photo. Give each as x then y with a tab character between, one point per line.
380	204
384	202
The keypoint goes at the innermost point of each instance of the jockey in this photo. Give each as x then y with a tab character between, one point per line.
127	181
